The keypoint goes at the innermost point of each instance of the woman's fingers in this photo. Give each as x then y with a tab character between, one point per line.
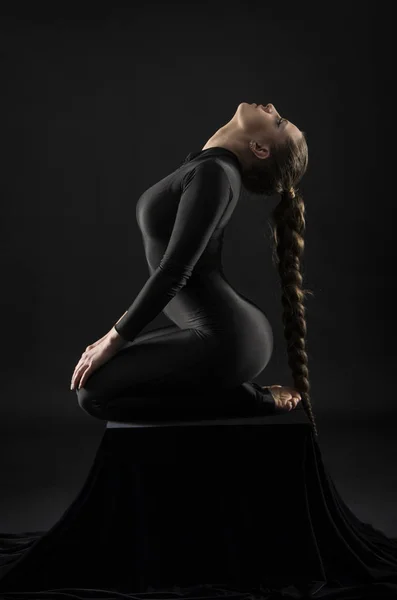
77	373
85	376
77	370
295	401
77	367
74	376
295	394
82	360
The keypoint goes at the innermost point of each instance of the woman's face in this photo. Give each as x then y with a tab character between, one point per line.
265	126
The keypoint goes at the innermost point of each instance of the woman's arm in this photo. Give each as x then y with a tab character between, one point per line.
206	193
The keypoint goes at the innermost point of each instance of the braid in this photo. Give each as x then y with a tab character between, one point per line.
289	228
284	167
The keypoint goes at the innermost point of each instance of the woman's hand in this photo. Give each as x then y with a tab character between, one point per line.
94	356
285	397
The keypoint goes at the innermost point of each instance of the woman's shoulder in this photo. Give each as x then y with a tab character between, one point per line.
210	168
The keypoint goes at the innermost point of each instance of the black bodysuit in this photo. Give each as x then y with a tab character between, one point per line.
200	366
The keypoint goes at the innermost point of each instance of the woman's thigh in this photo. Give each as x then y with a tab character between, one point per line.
167	358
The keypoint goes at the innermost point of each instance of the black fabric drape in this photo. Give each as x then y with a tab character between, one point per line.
237	510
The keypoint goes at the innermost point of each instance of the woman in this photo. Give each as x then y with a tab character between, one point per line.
220	340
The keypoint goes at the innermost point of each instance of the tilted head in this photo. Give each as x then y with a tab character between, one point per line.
272	150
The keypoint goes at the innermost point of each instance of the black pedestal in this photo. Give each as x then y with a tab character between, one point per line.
234	507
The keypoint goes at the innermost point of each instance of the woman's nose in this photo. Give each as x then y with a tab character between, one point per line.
272	109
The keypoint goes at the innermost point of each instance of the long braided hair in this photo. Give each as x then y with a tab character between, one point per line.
279	173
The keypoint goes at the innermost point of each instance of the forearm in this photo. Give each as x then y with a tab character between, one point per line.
162	285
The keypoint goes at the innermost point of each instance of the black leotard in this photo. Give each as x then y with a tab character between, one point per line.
220	339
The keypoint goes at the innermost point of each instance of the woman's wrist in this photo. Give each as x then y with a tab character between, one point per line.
115	339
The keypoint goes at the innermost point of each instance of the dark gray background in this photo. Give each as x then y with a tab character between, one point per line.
95	108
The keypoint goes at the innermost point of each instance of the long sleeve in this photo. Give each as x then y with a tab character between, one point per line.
206	193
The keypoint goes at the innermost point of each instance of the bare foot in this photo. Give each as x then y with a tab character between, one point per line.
286	398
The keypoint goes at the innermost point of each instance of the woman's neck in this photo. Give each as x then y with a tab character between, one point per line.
232	138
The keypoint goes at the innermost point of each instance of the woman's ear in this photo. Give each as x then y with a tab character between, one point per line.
259	151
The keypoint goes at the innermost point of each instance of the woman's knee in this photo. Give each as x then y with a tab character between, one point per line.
91	403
